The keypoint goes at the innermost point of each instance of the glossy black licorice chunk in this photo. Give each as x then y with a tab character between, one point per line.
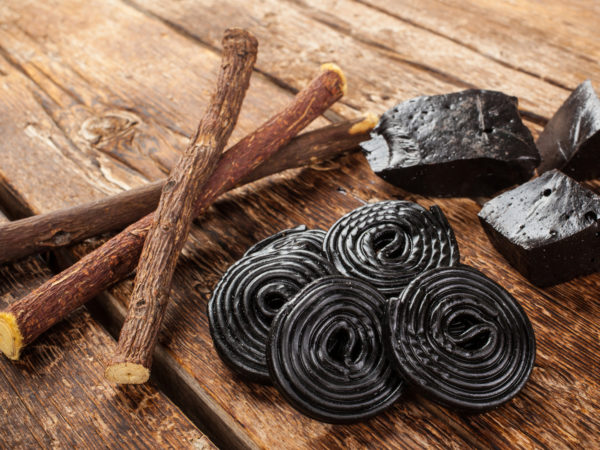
469	143
326	354
571	139
547	229
460	339
248	297
298	238
388	243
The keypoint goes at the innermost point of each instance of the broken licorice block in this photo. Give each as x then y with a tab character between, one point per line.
548	229
469	143
571	140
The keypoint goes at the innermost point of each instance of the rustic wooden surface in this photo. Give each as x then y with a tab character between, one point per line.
98	97
57	396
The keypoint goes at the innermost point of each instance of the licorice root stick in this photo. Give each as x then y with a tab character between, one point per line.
21	238
27	318
173	217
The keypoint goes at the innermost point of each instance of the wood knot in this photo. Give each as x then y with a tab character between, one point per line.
109	126
61	238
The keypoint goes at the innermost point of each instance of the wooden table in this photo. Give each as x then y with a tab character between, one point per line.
100	96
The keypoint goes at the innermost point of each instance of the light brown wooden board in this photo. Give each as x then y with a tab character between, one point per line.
558	407
554	40
385	59
57	397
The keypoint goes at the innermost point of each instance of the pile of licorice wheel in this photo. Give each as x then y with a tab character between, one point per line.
343	321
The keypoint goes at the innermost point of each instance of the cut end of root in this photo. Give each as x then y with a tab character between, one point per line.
127	373
367	124
335	68
11	339
240	37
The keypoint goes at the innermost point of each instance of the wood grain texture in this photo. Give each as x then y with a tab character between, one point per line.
68	226
387	60
56	397
555	41
558	407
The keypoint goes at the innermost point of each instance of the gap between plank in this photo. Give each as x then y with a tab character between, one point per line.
390	52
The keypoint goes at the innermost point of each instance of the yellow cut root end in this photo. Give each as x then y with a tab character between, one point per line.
367	124
127	373
11	339
335	68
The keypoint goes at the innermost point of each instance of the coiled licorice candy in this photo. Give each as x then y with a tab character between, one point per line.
461	339
388	244
298	238
326	353
246	300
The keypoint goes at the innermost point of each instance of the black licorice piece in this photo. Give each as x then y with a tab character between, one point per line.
298	238
469	143
388	243
571	139
461	339
547	229
246	300
326	354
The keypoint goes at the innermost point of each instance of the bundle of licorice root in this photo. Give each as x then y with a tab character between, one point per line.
343	321
155	239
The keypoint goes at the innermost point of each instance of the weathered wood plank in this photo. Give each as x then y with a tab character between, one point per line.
123	129
385	59
57	397
553	40
557	408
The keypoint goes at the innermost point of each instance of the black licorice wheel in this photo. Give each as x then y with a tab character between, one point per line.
460	338
298	238
326	354
389	243
246	300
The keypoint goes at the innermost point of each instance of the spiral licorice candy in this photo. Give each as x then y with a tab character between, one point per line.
460	338
389	243
246	300
326	354
298	238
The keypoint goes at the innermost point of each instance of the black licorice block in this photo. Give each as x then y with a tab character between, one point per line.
469	143
571	140
548	228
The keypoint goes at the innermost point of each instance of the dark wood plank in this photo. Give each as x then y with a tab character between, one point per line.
56	395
